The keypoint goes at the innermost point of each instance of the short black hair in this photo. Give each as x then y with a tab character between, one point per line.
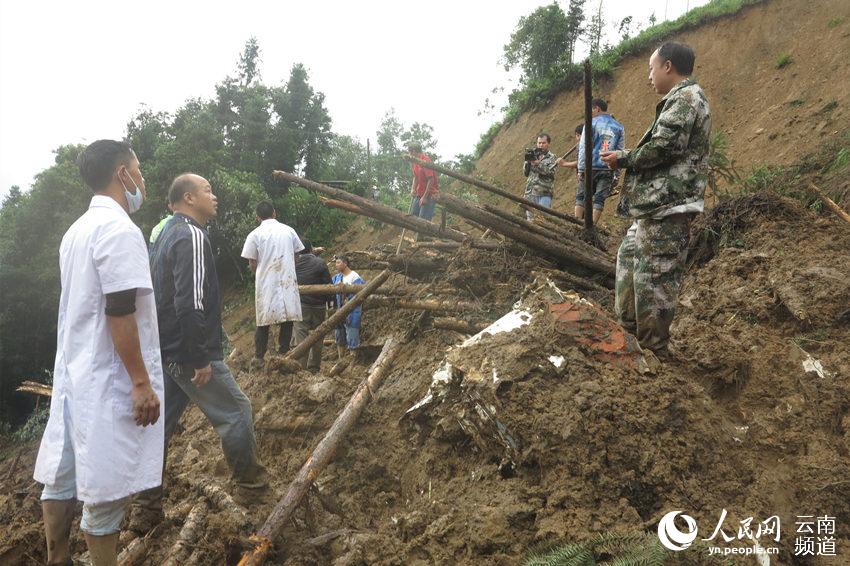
599	103
182	184
681	56
265	210
414	146
545	135
308	246
579	129
98	162
344	259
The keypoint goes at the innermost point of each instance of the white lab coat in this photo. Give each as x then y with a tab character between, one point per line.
274	246
102	252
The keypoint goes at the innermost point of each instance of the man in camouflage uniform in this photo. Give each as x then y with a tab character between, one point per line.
541	175
668	173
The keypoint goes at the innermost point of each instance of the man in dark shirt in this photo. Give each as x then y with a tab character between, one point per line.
311	270
188	307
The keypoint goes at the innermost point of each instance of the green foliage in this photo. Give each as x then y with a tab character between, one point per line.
620	549
538	91
33	427
835	22
721	166
539	42
31	228
783	60
796	103
842	159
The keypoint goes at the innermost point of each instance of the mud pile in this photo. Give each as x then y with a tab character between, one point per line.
556	430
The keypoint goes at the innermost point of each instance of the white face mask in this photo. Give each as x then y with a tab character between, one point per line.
134	201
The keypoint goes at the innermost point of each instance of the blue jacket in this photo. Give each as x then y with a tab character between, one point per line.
353	318
608	135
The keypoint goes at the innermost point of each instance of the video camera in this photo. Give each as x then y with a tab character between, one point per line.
533	154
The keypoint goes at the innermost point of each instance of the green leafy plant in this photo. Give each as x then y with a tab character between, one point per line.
783	60
835	22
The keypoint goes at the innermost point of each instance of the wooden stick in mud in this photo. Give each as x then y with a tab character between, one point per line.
493	189
375	209
192	530
840	212
335	319
321	456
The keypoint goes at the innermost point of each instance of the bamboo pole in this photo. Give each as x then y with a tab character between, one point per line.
454	246
321	456
840	212
380	211
493	189
337	318
577	254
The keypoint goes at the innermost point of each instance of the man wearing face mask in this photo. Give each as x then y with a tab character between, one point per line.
103	441
188	304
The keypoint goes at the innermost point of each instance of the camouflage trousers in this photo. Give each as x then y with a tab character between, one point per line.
650	267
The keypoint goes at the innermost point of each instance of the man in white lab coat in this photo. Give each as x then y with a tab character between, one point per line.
271	250
103	441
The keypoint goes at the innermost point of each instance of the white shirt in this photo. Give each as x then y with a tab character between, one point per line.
102	252
274	245
350	278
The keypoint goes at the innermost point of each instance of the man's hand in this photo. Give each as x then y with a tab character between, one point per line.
610	158
145	404
424	200
202	376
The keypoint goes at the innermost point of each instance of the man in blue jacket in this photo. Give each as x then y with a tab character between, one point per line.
608	135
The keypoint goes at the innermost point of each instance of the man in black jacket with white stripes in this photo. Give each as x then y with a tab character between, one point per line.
188	308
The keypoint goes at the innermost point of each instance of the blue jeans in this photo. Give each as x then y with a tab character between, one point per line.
348	336
99	519
545	200
603	182
425	211
225	406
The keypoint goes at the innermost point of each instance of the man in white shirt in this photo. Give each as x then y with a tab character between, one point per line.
103	441
271	250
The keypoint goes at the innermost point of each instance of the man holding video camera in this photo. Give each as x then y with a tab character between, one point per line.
539	167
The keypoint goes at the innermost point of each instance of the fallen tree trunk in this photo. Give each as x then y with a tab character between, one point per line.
333	203
136	552
380	211
338	317
321	456
329	289
419	304
578	254
458	325
225	503
573	281
192	530
493	189
452	246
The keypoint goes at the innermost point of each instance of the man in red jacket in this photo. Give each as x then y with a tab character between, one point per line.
426	184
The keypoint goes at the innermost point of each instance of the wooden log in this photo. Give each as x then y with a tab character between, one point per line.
544	231
192	530
225	503
321	456
573	281
333	203
337	318
35	388
382	212
454	246
329	289
135	553
493	189
840	212
576	255
441	305
458	325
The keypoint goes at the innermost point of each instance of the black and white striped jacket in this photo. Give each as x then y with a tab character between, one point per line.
188	303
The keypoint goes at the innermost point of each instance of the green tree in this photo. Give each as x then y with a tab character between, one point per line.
575	22
540	41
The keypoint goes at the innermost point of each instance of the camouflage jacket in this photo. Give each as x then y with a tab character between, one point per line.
668	170
541	178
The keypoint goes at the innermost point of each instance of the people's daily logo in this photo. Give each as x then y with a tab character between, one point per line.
670	535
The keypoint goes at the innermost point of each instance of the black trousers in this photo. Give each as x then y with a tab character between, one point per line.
261	338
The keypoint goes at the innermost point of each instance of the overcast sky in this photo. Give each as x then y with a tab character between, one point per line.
74	72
